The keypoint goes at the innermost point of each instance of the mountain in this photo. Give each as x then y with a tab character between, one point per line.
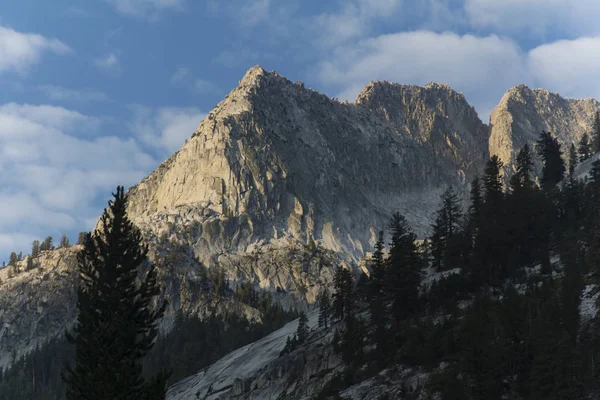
280	183
276	160
523	113
277	184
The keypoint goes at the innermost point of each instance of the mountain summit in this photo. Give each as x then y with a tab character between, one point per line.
279	183
277	160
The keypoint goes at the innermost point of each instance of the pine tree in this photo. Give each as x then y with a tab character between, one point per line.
572	160
324	309
81	238
445	228
492	182
553	170
377	280
12	260
64	242
585	148
302	331
376	302
523	175
596	133
116	324
491	247
35	249
403	274
474	213
29	265
47	244
343	285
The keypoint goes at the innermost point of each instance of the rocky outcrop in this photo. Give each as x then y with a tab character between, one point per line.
523	113
36	304
276	160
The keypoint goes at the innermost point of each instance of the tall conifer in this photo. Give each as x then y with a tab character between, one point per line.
116	324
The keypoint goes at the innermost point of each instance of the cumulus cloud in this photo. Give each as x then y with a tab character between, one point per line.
569	67
538	17
165	129
19	51
52	177
353	19
481	67
146	8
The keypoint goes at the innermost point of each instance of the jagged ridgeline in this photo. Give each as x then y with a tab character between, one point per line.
279	184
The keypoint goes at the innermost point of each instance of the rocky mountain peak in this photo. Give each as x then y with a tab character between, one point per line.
523	113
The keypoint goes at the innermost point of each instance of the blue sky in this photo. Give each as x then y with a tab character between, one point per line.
97	93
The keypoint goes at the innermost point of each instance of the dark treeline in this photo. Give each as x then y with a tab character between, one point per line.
114	350
502	318
192	344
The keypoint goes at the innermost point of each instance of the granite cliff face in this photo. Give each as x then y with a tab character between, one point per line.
280	183
36	304
276	160
523	113
277	185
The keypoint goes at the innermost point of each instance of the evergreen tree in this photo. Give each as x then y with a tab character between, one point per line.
445	228
553	170
572	160
116	324
403	274
324	309
523	175
377	302
12	260
81	238
492	247
64	242
35	249
302	331
585	148
474	213
29	265
343	284
376	283
47	244
596	133
492	182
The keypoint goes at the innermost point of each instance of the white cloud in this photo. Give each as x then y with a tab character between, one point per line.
146	8
537	17
19	51
111	61
60	93
353	20
481	67
569	67
52	178
165	129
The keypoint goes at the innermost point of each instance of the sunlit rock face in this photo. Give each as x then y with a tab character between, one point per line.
277	186
275	160
523	113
